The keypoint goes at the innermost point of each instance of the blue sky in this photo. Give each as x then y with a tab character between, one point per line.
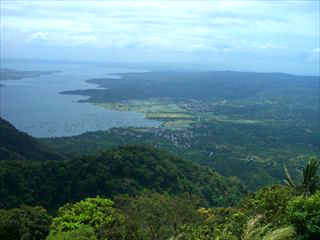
267	36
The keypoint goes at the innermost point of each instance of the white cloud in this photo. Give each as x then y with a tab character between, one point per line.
54	39
217	28
47	24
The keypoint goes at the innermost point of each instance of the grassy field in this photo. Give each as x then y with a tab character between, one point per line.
171	113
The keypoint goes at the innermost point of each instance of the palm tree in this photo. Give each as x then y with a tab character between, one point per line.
310	178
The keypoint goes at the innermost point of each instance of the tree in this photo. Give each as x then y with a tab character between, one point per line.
84	232
304	214
24	223
95	212
219	224
157	216
310	178
271	202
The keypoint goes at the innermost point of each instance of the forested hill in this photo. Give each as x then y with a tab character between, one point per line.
213	85
125	170
15	144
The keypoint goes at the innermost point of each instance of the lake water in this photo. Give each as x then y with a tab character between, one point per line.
34	105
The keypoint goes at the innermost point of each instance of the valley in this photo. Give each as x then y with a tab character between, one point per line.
240	124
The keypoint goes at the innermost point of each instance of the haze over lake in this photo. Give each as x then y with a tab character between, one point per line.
35	106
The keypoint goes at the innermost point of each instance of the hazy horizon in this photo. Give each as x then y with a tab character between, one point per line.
149	66
256	36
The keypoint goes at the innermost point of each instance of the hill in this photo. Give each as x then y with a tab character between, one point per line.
15	144
10	74
122	170
212	85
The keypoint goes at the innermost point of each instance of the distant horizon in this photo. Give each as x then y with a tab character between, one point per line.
151	65
257	36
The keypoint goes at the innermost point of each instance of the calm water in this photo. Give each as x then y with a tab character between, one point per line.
35	106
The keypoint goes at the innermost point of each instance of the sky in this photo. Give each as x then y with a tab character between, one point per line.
263	36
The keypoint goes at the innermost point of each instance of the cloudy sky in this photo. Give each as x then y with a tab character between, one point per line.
264	36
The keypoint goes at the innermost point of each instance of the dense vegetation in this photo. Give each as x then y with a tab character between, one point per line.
28	175
272	213
16	145
128	170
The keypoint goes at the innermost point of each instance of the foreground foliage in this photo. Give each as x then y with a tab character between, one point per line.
157	216
271	203
84	232
304	214
310	178
92	211
27	223
254	230
96	213
151	215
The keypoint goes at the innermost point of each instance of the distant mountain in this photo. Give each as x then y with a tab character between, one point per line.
16	145
213	85
122	170
10	74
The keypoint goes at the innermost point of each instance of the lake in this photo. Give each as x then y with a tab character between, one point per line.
34	105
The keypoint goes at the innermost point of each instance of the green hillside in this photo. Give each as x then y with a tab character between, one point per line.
16	145
125	170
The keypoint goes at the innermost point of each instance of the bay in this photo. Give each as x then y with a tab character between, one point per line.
34	105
